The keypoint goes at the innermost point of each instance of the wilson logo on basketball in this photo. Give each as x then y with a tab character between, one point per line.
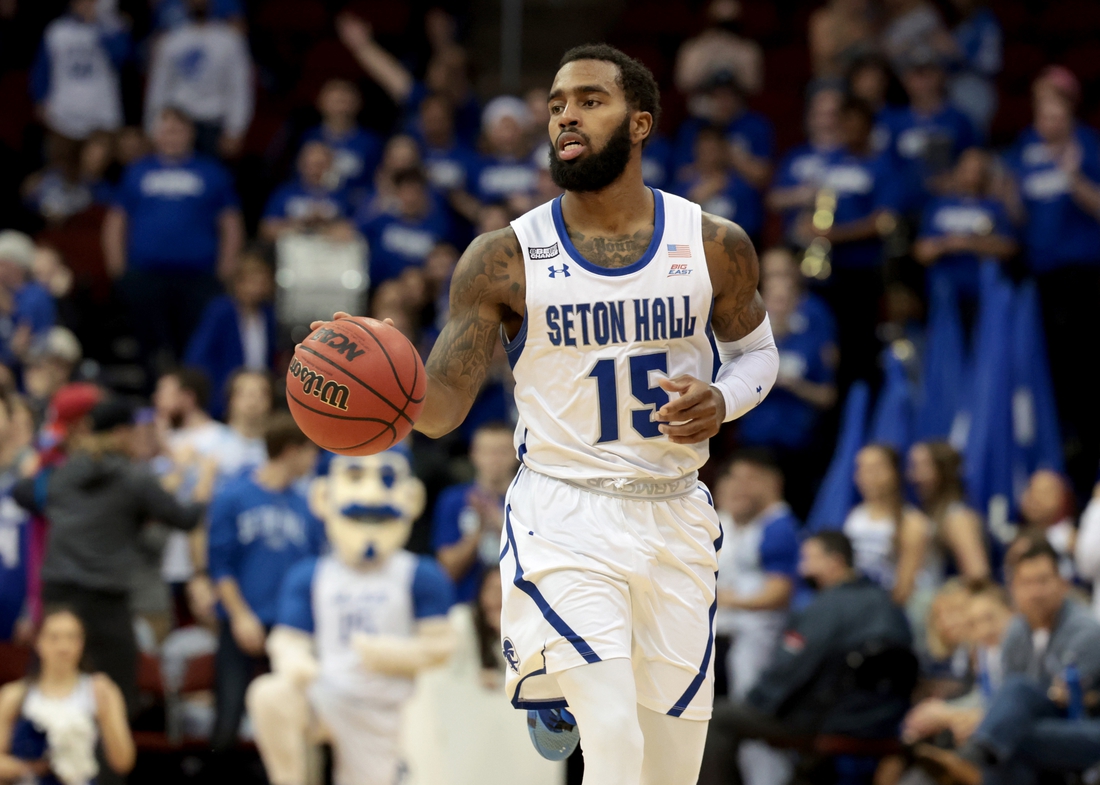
341	343
329	392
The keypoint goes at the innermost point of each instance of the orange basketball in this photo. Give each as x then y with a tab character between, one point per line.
355	386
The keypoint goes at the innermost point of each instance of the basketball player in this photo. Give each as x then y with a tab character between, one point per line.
606	299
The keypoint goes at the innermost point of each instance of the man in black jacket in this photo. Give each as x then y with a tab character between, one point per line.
817	682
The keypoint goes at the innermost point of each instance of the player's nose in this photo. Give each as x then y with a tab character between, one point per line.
568	117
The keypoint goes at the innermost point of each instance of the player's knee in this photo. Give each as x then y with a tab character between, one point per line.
613	724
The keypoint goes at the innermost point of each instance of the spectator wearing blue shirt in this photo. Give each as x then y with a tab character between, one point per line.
1056	169
715	185
811	310
750	134
860	188
237	330
798	177
980	57
448	162
27	309
356	150
260	527
175	227
963	227
929	134
507	170
786	422
74	79
308	202
469	517
404	236
757	575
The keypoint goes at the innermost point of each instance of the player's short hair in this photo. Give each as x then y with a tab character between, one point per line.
282	433
836	543
195	381
639	86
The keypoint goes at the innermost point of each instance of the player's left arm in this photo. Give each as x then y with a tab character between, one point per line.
750	361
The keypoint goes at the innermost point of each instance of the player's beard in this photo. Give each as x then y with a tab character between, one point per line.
597	170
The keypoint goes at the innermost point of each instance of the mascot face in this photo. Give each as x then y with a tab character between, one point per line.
368	504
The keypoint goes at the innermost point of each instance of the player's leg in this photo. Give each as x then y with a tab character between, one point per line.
280	715
603	699
673	748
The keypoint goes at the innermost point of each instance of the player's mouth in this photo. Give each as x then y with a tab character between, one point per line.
570	145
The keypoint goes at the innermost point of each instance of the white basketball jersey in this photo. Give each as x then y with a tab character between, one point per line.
375	602
595	341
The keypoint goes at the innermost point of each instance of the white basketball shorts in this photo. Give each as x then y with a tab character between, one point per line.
593	574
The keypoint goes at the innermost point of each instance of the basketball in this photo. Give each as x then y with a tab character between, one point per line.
355	386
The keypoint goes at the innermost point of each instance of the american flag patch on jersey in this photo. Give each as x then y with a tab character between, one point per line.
679	251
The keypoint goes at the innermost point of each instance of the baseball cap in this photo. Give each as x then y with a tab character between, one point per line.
17	247
506	106
58	343
74	402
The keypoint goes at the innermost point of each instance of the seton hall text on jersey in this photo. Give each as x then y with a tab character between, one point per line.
603	323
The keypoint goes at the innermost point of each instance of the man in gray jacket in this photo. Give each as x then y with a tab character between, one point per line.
96	503
815	683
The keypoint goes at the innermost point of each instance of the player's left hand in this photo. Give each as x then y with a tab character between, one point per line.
698	412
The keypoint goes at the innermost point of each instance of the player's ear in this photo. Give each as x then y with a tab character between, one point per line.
641	126
318	497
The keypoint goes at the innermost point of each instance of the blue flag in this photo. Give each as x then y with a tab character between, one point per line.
892	421
945	374
837	493
1035	428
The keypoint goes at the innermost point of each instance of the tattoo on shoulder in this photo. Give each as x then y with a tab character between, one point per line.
486	286
735	273
619	251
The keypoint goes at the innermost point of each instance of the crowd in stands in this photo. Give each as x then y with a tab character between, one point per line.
929	243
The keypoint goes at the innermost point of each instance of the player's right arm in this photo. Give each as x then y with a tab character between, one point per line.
487	289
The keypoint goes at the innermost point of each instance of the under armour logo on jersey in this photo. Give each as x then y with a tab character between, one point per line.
564	270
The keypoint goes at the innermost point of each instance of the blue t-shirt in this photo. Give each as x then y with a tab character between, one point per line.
397	242
863	185
783	419
432	593
962	215
803	165
33	306
453	519
295	199
172	211
779	548
738	202
750	130
256	536
1056	231
928	145
355	155
449	168
495	178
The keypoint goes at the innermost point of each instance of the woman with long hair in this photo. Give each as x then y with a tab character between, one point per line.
889	537
52	721
935	473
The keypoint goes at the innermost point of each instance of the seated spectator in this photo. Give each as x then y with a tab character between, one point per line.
946	650
1034	723
1047	511
448	162
978	59
75	77
506	169
1086	552
757	571
958	534
719	48
17	460
860	190
404	237
468	518
237	330
400	154
800	172
929	134
356	150
446	73
839	32
308	203
812	311
964	226
51	361
787	420
714	184
27	310
809	688
260	526
97	503
750	134
174	229
204	68
52	722
890	538
1055	193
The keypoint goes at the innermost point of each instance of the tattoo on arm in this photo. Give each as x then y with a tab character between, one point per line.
734	274
484	289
